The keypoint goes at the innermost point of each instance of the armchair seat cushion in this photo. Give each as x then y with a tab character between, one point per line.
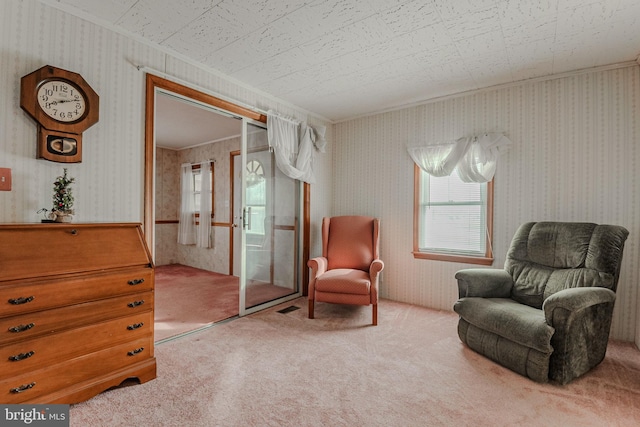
344	280
509	319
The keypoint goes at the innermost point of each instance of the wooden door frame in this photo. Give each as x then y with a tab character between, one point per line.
154	82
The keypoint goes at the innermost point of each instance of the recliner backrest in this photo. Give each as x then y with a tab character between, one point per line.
547	257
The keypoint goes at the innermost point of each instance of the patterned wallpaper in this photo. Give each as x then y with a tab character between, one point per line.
32	36
168	206
575	157
109	181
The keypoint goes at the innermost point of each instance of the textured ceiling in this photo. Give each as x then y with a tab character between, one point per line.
345	58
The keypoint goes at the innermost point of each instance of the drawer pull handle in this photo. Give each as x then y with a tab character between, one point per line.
135	303
134	282
22	388
74	232
136	351
21	356
21	300
21	328
135	326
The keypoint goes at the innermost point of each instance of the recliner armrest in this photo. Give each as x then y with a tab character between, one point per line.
574	300
484	282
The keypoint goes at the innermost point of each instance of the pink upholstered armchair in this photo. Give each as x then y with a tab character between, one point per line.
347	272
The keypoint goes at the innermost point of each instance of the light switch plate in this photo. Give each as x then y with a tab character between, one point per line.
5	179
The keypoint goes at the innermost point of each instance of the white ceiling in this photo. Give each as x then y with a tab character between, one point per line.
345	58
182	124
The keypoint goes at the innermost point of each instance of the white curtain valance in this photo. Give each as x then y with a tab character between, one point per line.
294	145
438	159
475	157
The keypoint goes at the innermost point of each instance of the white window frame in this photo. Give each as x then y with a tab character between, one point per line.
444	254
195	171
257	210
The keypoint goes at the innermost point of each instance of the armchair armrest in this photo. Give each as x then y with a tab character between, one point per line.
376	267
564	305
484	282
318	266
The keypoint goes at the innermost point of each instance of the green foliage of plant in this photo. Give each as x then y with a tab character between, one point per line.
62	194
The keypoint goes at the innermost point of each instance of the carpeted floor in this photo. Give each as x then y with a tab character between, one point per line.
273	369
188	298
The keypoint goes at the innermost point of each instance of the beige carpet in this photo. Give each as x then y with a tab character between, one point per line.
273	369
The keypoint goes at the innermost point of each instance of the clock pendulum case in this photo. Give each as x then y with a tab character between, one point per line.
63	105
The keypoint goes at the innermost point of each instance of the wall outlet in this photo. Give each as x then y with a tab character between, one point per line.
5	179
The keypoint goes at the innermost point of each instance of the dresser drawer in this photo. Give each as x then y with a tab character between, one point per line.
25	356
31	325
34	295
28	386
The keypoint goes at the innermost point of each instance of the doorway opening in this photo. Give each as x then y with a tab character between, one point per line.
244	212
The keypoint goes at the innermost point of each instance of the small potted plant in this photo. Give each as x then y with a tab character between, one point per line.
63	198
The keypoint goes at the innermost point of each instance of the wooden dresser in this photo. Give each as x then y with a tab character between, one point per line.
76	310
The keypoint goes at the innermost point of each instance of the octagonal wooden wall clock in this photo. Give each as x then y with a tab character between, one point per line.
63	105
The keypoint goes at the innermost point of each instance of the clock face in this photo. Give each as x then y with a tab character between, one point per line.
61	100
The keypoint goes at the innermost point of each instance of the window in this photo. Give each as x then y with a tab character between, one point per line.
197	186
256	197
452	219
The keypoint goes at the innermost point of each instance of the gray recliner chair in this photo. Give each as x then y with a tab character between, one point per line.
547	314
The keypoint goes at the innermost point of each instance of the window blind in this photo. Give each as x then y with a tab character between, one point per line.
452	215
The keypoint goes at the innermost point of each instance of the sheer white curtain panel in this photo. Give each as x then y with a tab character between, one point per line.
186	226
204	226
481	159
294	145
